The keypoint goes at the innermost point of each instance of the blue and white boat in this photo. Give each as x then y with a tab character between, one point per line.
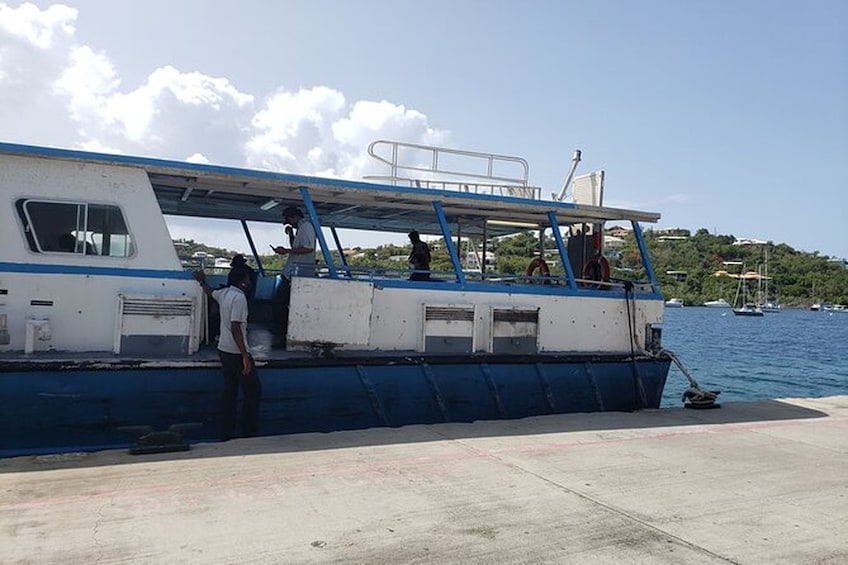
103	329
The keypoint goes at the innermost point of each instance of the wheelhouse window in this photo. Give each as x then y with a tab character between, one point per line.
75	227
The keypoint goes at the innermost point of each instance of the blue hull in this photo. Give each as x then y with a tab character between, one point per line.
52	410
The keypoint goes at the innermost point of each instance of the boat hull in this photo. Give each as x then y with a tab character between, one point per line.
750	313
54	409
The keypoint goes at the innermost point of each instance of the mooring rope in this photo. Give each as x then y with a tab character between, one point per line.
697	397
629	296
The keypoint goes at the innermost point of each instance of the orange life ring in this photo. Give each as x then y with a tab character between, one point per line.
542	266
597	269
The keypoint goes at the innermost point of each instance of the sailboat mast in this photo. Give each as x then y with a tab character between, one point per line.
765	274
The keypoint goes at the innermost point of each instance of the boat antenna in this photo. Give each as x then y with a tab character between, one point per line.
574	160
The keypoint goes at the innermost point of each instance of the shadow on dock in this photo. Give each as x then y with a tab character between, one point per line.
756	413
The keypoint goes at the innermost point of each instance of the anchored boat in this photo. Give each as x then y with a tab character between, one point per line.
745	306
103	330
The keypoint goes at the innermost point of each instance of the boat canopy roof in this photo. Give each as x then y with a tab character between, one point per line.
212	191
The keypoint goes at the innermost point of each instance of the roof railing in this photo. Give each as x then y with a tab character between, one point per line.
406	157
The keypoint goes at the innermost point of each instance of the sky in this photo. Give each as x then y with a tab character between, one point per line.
720	114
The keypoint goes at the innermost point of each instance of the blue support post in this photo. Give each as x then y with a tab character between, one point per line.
563	253
342	257
313	216
454	256
253	248
646	259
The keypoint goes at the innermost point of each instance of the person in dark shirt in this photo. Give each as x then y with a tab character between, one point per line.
419	258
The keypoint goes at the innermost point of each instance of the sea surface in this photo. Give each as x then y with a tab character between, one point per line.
793	353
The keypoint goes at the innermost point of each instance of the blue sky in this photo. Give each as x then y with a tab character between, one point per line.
726	115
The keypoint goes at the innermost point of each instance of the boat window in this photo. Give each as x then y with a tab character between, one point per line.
75	227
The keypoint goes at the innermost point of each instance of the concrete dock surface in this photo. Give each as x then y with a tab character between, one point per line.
759	482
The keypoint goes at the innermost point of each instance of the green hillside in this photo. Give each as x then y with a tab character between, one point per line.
797	279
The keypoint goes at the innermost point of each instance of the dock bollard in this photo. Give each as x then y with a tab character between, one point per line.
151	441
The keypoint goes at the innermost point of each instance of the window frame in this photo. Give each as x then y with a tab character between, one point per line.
34	242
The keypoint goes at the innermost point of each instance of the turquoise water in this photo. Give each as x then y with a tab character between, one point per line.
794	353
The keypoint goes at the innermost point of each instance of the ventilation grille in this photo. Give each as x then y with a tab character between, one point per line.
515	331
157	325
531	316
450	314
157	306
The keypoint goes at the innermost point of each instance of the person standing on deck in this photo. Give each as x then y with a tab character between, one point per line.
238	366
300	262
419	258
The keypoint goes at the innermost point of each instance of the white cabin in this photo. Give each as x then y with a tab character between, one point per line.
88	264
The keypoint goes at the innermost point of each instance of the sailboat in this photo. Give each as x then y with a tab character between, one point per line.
745	307
767	305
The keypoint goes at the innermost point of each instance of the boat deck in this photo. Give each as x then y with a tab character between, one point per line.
260	338
760	482
266	353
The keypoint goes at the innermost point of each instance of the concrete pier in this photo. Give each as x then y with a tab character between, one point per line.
760	482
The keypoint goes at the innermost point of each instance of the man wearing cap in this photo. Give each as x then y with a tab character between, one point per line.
300	262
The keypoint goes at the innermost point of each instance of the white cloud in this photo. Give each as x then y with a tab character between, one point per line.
38	27
291	126
33	51
57	90
97	147
174	113
88	81
370	121
198	158
170	115
316	131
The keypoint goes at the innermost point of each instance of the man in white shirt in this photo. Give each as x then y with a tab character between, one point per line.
237	364
300	262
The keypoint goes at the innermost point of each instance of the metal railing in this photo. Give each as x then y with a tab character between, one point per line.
438	176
